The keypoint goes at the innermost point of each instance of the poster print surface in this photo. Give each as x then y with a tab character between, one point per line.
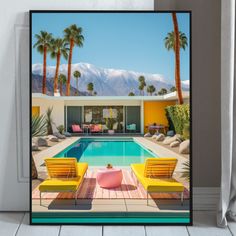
110	117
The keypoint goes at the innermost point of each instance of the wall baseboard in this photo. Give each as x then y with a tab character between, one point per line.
205	198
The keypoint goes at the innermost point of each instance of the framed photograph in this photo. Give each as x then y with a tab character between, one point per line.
110	117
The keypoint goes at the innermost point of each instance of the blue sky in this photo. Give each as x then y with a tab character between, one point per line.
126	41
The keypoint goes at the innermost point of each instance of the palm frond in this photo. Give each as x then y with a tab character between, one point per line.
170	40
62	78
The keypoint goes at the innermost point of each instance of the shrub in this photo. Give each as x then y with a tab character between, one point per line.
178	115
60	129
49	120
186	131
171	125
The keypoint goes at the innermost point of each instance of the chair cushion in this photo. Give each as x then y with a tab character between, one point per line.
82	168
60	185
76	128
65	184
156	184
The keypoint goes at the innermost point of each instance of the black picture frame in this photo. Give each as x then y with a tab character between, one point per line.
190	100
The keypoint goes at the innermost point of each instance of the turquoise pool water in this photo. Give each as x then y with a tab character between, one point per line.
101	151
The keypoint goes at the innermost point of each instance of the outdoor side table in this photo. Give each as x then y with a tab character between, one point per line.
109	177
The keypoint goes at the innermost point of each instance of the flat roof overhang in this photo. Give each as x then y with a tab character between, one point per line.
166	97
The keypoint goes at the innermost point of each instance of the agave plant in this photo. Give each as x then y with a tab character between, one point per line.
49	120
186	171
38	126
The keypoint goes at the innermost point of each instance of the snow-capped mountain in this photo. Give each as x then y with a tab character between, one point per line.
185	84
107	82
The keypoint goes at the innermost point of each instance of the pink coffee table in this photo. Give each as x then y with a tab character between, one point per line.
109	178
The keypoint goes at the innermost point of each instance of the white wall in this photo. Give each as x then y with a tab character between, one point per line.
14	67
57	112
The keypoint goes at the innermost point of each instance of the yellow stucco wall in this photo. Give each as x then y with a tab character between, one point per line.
154	112
35	111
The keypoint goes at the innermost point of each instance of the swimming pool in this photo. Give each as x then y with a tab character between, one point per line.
101	151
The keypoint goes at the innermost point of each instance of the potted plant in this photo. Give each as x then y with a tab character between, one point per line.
110	123
109	166
60	129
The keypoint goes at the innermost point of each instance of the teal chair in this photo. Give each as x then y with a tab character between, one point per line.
131	128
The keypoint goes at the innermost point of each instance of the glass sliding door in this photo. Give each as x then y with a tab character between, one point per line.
133	119
74	116
111	117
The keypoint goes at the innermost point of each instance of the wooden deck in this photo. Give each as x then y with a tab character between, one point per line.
129	189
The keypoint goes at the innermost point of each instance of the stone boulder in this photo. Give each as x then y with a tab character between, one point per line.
34	147
170	133
53	138
175	144
58	135
40	142
168	140
184	147
67	134
147	135
160	137
154	136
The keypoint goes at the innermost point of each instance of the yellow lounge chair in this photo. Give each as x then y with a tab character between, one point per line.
156	176
64	175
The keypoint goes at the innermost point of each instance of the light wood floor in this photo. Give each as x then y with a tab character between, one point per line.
204	225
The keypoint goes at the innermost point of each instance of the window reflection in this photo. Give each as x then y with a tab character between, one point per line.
111	117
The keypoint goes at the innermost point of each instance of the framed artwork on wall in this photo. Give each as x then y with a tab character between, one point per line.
110	117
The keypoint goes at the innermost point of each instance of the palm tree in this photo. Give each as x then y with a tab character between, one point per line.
162	91
170	40
43	45
131	94
151	89
73	35
77	75
173	89
142	84
90	88
62	81
58	47
175	41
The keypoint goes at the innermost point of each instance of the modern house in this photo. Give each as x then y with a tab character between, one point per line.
123	110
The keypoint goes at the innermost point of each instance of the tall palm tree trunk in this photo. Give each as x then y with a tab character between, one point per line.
77	84
44	69
177	59
69	68
57	71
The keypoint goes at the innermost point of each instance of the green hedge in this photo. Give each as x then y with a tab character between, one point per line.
178	116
